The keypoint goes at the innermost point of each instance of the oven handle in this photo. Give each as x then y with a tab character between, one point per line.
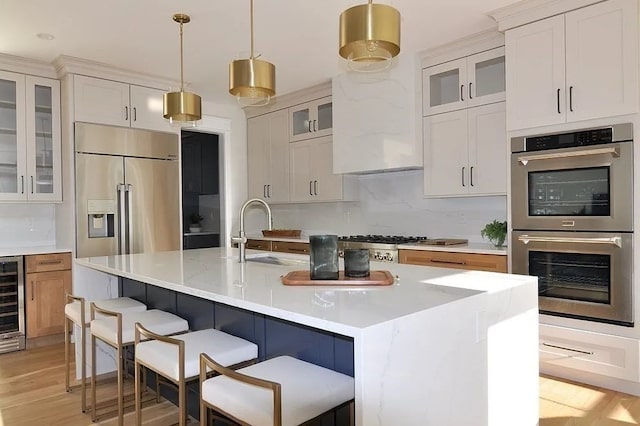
615	241
614	151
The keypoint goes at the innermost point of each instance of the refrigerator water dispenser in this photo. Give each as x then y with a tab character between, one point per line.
101	217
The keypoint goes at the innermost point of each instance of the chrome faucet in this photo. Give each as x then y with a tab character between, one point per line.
242	238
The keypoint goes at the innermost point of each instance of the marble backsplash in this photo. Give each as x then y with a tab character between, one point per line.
390	204
23	225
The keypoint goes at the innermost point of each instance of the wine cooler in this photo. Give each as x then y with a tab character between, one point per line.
12	326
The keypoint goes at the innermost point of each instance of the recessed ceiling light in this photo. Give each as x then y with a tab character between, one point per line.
45	36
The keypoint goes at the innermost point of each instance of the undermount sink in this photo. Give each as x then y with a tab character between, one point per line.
274	260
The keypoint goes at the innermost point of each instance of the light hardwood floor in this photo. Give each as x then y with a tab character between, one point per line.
32	393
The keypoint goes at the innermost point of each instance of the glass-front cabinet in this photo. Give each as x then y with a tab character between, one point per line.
311	120
29	138
466	82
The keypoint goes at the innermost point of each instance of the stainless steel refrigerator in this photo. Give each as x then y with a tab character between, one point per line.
127	191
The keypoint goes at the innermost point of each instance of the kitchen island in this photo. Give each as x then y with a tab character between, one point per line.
438	347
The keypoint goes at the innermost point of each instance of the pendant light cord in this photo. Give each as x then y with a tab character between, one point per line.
251	14
181	62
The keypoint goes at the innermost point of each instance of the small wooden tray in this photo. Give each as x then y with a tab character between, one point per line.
284	233
304	278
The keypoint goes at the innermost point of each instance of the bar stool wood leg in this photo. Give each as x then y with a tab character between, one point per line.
67	349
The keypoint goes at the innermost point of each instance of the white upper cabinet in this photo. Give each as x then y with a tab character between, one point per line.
471	81
465	152
268	156
119	104
312	177
147	108
30	149
311	120
577	66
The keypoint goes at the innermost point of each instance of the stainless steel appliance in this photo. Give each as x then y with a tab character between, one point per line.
580	181
585	275
127	191
572	219
381	248
12	325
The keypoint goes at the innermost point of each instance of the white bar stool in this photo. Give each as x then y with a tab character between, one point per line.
117	331
177	358
280	391
77	311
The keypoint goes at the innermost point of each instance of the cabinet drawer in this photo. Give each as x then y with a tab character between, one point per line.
289	247
258	245
612	356
443	259
48	262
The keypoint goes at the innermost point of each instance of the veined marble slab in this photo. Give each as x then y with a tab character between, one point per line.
438	347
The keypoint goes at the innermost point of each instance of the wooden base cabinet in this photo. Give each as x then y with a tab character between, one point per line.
48	279
455	260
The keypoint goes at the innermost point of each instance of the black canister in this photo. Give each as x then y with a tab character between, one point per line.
324	257
356	263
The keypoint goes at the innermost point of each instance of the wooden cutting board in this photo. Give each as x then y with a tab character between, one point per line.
443	242
304	278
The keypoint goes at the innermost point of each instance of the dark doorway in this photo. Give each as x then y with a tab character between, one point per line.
200	190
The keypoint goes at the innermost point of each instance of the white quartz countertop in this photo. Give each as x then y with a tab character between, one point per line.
215	274
303	238
22	251
477	248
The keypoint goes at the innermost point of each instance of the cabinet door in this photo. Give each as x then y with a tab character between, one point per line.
45	302
311	120
602	61
444	87
210	163
445	154
12	137
258	156
535	74
101	101
44	176
146	109
278	182
301	163
191	169
488	150
326	185
486	79
323	120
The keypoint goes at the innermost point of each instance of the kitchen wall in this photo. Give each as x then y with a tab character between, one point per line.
390	204
27	225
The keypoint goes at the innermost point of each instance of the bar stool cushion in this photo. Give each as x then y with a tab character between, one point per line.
226	349
155	320
308	390
119	304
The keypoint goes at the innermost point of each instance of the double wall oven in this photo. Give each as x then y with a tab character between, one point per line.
572	220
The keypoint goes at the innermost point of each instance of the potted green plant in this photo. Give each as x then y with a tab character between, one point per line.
496	232
194	222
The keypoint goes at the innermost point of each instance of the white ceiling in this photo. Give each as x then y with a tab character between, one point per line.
299	36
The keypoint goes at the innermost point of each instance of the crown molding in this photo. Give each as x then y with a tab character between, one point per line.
27	66
527	11
70	65
469	45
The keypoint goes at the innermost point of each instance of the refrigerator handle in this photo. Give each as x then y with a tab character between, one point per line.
122	238
130	218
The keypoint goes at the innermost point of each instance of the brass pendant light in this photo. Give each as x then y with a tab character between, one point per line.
252	81
182	108
369	36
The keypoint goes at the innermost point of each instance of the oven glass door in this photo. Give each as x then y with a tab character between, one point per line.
580	274
582	189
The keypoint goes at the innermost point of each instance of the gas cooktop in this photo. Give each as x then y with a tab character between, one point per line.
381	239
